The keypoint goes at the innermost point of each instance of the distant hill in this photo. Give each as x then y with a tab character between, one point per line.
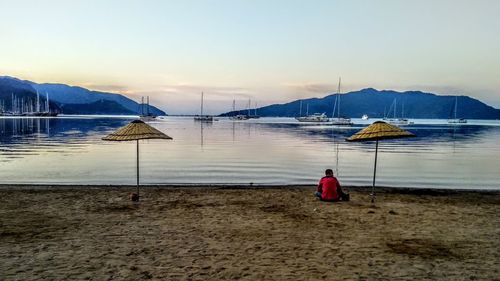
97	107
22	92
375	103
70	99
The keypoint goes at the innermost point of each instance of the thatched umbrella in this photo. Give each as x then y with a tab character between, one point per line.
379	131
136	130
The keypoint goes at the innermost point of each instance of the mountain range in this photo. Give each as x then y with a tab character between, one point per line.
384	103
69	99
374	103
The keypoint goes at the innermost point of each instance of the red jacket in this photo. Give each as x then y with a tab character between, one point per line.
328	187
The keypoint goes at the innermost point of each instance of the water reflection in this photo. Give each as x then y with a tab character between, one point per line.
12	127
425	133
233	129
202	128
63	131
30	136
265	151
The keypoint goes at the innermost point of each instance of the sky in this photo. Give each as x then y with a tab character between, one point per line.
269	51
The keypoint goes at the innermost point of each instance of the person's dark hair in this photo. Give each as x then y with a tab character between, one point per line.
329	172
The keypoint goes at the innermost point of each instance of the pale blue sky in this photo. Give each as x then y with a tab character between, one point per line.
270	51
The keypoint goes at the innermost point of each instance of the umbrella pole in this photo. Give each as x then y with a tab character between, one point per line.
137	168
374	172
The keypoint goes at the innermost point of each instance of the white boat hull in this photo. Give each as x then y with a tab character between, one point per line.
315	118
204	118
147	118
457	121
398	122
341	122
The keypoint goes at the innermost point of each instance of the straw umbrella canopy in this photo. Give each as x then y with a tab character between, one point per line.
136	130
379	131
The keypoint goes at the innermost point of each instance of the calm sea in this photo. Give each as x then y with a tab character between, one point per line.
262	151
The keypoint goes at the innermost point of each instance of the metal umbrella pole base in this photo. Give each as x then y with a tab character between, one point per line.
138	196
374	173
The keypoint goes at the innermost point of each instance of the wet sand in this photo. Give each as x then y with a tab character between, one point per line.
248	234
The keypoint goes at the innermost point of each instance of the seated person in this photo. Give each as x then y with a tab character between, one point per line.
329	188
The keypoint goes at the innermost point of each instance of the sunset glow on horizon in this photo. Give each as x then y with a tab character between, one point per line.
266	51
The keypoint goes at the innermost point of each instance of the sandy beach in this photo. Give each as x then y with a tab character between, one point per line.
96	233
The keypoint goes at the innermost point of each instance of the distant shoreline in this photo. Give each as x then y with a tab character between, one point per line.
126	116
363	189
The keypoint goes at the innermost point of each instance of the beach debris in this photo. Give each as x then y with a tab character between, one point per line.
133	197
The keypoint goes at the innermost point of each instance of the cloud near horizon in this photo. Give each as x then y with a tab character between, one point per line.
313	88
121	89
185	98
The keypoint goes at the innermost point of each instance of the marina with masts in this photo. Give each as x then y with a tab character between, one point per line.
27	106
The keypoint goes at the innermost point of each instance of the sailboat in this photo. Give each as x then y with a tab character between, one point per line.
249	112
146	116
39	112
237	116
240	117
455	120
201	117
397	121
315	118
339	121
254	116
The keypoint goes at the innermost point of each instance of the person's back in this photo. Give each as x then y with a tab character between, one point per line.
329	187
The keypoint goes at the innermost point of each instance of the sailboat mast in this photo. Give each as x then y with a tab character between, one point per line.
336	159
300	109
147	106
47	108
338	102
456	102
395	105
37	101
142	106
201	109
307	110
248	108
334	106
255	109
